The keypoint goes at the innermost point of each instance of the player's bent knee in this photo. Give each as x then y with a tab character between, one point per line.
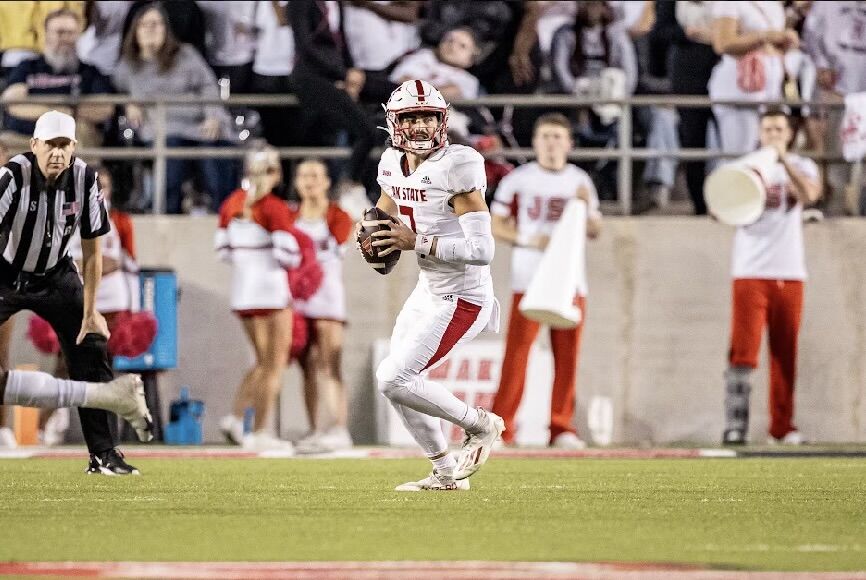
390	376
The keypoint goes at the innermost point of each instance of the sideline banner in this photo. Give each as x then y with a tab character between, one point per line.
471	372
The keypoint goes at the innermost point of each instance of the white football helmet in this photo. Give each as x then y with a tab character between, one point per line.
410	97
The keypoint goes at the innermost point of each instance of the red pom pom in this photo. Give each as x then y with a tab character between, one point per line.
132	333
300	335
42	336
305	280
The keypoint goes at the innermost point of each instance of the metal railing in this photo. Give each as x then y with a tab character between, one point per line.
624	153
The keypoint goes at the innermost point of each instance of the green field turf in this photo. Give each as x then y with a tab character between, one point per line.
782	514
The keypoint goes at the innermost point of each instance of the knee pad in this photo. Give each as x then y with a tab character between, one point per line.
89	361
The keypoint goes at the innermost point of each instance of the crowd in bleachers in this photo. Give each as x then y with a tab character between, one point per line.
343	58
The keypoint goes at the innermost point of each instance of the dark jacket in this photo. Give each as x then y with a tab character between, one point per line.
691	63
319	51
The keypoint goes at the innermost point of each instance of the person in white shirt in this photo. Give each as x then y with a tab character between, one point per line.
446	66
435	192
528	204
752	39
769	268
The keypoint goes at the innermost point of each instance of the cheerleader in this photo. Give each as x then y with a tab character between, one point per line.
329	227
256	237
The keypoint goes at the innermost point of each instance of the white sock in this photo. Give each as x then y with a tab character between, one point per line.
38	389
444	463
431	398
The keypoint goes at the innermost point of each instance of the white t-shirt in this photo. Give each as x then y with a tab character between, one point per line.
752	17
536	198
424	65
424	199
275	46
230	38
365	33
772	247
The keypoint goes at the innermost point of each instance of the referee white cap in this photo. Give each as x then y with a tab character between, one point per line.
54	124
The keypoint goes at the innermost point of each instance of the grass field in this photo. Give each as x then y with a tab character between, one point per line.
759	514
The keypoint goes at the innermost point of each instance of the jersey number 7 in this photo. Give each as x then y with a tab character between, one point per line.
408	211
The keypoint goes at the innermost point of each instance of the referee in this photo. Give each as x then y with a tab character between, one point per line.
44	195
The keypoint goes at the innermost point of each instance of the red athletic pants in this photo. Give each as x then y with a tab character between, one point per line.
565	344
776	304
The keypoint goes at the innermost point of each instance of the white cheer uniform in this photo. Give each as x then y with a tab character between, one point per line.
118	291
536	198
260	251
452	302
329	234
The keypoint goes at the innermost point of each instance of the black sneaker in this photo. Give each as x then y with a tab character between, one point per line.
110	462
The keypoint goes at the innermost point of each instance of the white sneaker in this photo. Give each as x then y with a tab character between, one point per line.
264	441
477	446
55	428
334	439
7	438
232	429
435	482
125	396
791	438
568	440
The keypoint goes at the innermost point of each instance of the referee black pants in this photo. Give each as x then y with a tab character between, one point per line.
58	297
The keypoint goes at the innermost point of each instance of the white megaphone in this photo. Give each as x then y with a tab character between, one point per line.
736	192
550	296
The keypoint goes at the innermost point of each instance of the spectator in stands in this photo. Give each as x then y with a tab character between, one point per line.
230	41
505	30
99	46
329	86
367	23
57	72
751	38
595	58
272	67
153	64
686	26
553	15
834	35
446	66
184	18
330	228
22	29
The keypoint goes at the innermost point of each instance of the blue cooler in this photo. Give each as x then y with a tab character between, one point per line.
184	423
159	296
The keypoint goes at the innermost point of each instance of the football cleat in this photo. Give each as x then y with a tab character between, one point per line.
435	482
110	462
477	446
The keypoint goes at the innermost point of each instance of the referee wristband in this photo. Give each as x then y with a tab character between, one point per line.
424	245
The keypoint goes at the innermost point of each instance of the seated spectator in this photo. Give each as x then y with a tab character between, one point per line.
446	67
22	29
99	46
184	17
57	72
153	64
582	51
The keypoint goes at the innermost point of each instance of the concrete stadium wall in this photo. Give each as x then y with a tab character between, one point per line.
655	339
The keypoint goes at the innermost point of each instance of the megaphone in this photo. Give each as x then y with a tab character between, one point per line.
549	299
736	192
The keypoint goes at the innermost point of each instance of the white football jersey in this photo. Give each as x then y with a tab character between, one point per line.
536	198
424	199
772	247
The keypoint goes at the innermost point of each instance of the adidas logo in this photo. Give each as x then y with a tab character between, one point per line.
425	180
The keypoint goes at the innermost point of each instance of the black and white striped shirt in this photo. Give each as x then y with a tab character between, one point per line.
38	218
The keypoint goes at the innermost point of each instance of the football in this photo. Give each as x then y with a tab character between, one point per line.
370	252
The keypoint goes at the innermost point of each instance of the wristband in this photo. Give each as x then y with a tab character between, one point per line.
424	245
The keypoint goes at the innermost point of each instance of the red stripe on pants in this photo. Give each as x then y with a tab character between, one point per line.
465	315
565	344
778	304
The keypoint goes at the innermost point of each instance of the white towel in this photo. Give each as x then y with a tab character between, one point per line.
853	130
